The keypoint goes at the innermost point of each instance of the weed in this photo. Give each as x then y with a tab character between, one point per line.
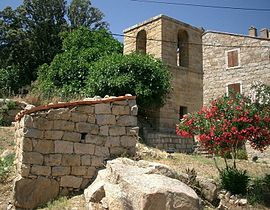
234	180
59	204
5	166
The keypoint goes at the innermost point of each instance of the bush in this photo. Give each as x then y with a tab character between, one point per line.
137	74
259	190
234	180
5	166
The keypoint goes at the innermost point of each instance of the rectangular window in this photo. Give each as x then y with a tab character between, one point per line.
182	111
233	58
234	89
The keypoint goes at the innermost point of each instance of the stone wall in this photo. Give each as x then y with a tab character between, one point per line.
61	147
187	85
253	57
169	142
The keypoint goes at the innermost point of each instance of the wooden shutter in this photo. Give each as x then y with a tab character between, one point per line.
232	58
233	89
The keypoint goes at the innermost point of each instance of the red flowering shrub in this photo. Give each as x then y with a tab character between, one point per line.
228	123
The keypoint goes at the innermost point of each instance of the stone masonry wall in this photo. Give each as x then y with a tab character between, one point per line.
254	63
61	147
187	85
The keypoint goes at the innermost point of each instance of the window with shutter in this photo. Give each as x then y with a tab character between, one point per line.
233	58
234	89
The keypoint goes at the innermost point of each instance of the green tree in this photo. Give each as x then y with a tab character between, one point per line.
137	74
66	75
82	13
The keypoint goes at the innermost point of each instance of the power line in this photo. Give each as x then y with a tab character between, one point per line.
204	6
194	43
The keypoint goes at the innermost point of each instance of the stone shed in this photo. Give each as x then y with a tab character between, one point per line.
60	147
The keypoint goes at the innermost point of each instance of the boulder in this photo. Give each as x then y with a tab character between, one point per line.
209	189
129	185
30	193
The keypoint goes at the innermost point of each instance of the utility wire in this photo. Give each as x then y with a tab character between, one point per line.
204	6
194	43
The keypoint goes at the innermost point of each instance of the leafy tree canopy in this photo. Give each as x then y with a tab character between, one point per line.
137	74
66	75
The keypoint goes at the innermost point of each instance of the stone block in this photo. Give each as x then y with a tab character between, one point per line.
33	133
24	170
117	151
91	172
78	117
103	109
132	103
105	119
27	144
42	123
53	160
44	147
84	148
113	141
132	131
26	121
127	120
71	181
123	103
120	110
72	136
88	109
32	158
102	151
63	147
87	128
53	135
117	130
71	160
60	170
91	119
104	130
78	170
59	114
86	160
41	170
63	125
30	193
97	161
134	110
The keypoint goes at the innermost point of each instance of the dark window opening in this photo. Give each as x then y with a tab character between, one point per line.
182	111
182	50
141	42
83	136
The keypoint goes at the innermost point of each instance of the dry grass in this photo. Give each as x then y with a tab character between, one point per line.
204	166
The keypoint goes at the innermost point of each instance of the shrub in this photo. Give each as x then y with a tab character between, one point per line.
137	74
5	166
66	76
234	180
259	190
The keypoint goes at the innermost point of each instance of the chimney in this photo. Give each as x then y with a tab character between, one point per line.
252	31
264	33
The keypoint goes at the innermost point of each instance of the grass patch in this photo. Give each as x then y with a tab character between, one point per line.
58	204
6	164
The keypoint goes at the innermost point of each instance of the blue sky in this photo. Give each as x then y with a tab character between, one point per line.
122	14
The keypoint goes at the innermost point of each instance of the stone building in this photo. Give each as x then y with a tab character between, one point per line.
179	46
232	62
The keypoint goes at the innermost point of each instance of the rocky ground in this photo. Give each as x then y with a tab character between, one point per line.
179	162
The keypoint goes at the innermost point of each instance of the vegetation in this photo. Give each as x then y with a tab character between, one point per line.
66	75
137	74
30	36
5	166
234	180
225	125
259	190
